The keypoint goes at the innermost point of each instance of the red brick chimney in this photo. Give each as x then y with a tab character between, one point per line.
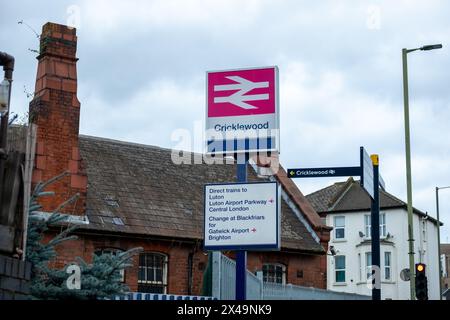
55	109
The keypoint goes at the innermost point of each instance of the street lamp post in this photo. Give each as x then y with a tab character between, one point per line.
408	162
439	238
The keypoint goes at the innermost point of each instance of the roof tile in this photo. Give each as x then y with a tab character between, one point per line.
157	197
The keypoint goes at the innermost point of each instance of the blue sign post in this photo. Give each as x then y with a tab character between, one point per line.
371	182
375	231
239	122
241	255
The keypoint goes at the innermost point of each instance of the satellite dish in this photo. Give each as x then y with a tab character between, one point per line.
405	274
361	234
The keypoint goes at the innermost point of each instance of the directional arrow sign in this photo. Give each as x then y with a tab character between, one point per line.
324	172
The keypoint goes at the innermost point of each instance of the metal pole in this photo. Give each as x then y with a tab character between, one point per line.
408	176
241	255
375	231
439	242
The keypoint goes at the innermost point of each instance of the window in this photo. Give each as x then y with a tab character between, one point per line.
369	264
383	225
274	273
339	227
112	251
152	275
359	267
387	266
339	267
443	261
367	225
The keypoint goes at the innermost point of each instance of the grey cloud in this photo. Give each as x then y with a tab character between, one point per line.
127	57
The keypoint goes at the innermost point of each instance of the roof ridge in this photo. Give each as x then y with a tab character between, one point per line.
340	194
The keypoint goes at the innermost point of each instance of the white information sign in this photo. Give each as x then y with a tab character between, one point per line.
366	172
240	216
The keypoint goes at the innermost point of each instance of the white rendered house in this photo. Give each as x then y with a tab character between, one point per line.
346	207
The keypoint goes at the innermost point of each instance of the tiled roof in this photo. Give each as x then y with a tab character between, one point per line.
321	199
350	196
137	189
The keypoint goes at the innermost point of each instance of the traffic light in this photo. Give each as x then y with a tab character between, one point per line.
421	282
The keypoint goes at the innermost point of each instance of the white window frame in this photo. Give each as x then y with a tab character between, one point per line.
388	267
336	270
368	225
336	228
164	282
275	266
368	267
359	267
383	225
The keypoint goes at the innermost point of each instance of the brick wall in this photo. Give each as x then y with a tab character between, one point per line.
301	269
14	279
56	111
177	252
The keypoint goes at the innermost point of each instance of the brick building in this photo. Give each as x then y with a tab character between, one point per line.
133	195
445	265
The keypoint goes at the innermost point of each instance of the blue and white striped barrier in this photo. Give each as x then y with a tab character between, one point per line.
158	296
247	144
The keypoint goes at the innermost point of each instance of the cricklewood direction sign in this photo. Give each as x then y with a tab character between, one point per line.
324	172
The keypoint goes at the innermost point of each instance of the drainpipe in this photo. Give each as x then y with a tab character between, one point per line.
190	272
7	61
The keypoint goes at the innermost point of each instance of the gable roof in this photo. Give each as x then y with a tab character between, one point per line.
137	189
349	196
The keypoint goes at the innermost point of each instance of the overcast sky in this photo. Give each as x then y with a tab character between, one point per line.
141	75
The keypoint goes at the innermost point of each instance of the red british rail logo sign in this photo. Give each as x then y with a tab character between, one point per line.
242	110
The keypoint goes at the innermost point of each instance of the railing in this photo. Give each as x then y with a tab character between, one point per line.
223	282
275	291
224	279
159	296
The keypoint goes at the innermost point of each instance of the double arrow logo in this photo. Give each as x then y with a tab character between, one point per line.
239	98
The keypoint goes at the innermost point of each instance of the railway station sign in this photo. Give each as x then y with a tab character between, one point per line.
242	111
